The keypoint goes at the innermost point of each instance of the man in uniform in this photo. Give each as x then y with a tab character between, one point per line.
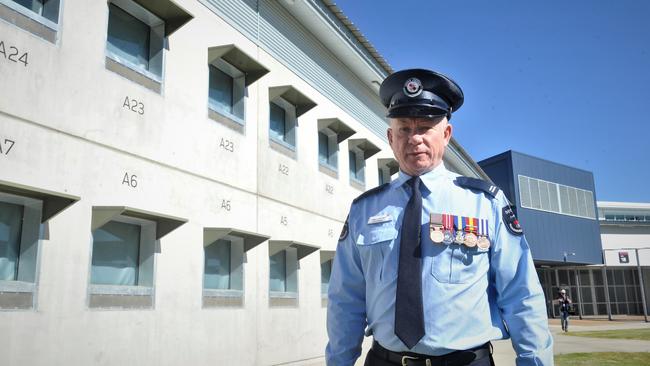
433	265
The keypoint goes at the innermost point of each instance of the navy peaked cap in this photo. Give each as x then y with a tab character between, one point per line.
420	93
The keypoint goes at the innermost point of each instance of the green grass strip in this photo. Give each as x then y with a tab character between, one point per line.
603	359
640	334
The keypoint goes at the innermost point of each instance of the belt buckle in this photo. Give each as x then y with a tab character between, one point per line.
405	360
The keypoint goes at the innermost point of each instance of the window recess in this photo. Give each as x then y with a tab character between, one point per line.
224	257
137	36
231	71
124	243
24	214
286	104
284	259
360	150
331	132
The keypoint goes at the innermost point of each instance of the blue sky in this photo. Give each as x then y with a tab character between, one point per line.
567	81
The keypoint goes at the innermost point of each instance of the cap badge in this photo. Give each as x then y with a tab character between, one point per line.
413	87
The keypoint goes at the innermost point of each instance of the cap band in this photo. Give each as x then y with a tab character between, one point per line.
426	104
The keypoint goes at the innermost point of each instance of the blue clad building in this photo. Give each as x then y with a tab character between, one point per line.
555	204
556	207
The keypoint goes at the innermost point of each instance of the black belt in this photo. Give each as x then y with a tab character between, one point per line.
456	358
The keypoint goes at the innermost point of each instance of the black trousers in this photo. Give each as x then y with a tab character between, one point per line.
374	360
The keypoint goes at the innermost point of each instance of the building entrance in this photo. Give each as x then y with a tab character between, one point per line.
592	288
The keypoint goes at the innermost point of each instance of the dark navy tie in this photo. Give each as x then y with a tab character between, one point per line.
409	312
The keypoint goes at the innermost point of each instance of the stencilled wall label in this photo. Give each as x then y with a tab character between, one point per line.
130	180
227	145
283	169
6	145
11	53
133	105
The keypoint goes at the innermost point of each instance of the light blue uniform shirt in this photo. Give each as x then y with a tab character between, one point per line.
470	297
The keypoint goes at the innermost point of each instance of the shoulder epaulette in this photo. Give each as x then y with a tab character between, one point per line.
370	192
478	184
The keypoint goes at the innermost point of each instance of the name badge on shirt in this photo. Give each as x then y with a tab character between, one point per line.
380	218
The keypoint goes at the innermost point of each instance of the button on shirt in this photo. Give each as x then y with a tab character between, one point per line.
470	297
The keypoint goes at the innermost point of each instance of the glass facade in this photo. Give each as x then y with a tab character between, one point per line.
623	287
627	217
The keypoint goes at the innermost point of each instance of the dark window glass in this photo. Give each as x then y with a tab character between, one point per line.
600	294
48	9
11	219
598	277
217	265
220	92
128	37
323	148
585	280
278	122
353	164
278	271
325	273
115	257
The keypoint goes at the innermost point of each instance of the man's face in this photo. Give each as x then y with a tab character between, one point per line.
418	143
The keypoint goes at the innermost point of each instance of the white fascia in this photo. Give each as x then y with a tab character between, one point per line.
336	42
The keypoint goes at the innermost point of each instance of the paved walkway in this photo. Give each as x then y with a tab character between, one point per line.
505	356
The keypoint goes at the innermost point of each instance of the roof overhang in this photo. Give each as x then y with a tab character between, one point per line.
164	223
390	163
326	255
342	130
302	249
173	15
251	240
53	202
369	149
293	96
240	60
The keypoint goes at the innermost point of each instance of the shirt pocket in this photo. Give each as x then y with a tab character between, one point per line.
375	245
457	264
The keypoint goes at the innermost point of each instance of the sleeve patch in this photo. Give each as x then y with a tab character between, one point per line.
344	231
511	221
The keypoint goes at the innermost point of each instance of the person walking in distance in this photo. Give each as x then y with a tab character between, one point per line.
565	304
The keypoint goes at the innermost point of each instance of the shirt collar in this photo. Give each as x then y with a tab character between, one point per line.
427	178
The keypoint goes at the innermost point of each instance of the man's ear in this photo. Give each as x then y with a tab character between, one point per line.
389	134
447	132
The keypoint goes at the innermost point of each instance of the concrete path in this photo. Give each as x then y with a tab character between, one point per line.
504	355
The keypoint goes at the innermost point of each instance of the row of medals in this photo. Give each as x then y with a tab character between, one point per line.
469	238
